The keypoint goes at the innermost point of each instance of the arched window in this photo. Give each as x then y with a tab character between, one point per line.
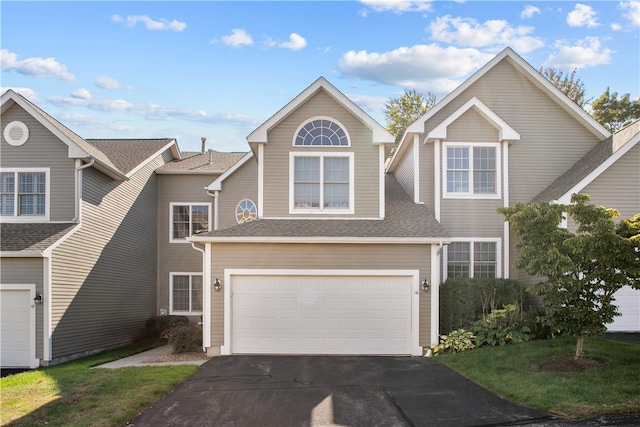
321	132
246	211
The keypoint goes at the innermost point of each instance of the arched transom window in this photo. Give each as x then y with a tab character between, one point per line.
322	132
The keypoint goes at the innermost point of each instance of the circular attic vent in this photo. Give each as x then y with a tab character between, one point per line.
16	133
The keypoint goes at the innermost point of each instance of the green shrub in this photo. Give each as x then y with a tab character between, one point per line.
457	341
185	338
463	301
500	327
157	325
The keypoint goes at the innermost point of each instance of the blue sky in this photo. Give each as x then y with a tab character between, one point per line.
219	69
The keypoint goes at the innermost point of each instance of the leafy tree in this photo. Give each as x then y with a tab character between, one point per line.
614	113
401	112
582	269
569	84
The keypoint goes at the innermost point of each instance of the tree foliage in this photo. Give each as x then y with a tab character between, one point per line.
569	84
583	269
615	113
401	112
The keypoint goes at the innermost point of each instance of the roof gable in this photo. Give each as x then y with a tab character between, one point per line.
380	134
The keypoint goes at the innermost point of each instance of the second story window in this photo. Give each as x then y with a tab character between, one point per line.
23	194
188	219
471	170
321	132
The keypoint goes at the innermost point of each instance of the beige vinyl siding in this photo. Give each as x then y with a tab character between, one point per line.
280	143
242	184
472	217
427	174
18	271
321	256
42	149
404	172
104	275
178	257
618	187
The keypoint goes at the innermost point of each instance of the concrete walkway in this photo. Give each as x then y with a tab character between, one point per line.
145	358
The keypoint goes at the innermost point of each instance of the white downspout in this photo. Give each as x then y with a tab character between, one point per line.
206	294
216	208
78	189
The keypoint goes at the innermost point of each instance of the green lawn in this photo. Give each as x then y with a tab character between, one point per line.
513	372
73	394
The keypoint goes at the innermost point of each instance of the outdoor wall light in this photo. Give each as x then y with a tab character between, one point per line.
425	285
38	298
217	285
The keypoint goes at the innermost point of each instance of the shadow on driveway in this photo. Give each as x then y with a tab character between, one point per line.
332	391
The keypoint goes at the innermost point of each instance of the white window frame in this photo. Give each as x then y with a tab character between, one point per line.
315	147
183	312
321	209
47	197
472	241
470	194
190	204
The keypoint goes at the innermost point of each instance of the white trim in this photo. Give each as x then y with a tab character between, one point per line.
434	290
206	307
7	133
416	169
34	362
381	183
151	157
216	184
416	350
506	253
505	197
190	274
632	142
47	307
330	119
260	180
321	210
436	180
172	204
319	240
472	240
470	194
47	197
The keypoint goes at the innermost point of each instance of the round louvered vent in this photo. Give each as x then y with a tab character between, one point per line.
16	133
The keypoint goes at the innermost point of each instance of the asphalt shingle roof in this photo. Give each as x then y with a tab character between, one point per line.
199	162
404	219
127	154
31	237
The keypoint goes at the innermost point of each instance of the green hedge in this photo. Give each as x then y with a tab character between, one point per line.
463	301
158	324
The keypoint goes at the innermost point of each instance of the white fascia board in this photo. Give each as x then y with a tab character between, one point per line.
171	144
216	185
566	197
22	254
505	131
322	240
48	252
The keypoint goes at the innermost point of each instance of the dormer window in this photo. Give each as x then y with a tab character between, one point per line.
321	132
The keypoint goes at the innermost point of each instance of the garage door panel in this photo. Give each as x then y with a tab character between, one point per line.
628	301
16	328
321	315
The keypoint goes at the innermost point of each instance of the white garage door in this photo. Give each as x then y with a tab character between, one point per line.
321	315
628	301
17	346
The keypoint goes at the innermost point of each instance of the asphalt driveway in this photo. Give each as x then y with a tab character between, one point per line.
331	391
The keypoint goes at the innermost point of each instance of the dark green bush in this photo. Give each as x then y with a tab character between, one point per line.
185	338
463	301
501	326
158	324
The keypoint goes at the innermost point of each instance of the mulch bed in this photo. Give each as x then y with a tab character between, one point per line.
570	365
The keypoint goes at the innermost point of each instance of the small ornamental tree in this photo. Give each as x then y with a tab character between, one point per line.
582	269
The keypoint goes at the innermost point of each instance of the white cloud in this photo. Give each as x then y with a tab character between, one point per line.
374	105
420	67
296	42
37	67
615	26
397	6
95	124
109	83
529	11
582	16
238	37
492	33
28	93
150	24
633	11
81	93
586	53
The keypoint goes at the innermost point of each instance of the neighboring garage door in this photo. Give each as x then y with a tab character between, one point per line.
321	315
628	301
17	322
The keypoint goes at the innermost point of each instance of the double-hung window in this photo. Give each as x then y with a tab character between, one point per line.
472	170
321	182
188	219
186	293
24	194
473	259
